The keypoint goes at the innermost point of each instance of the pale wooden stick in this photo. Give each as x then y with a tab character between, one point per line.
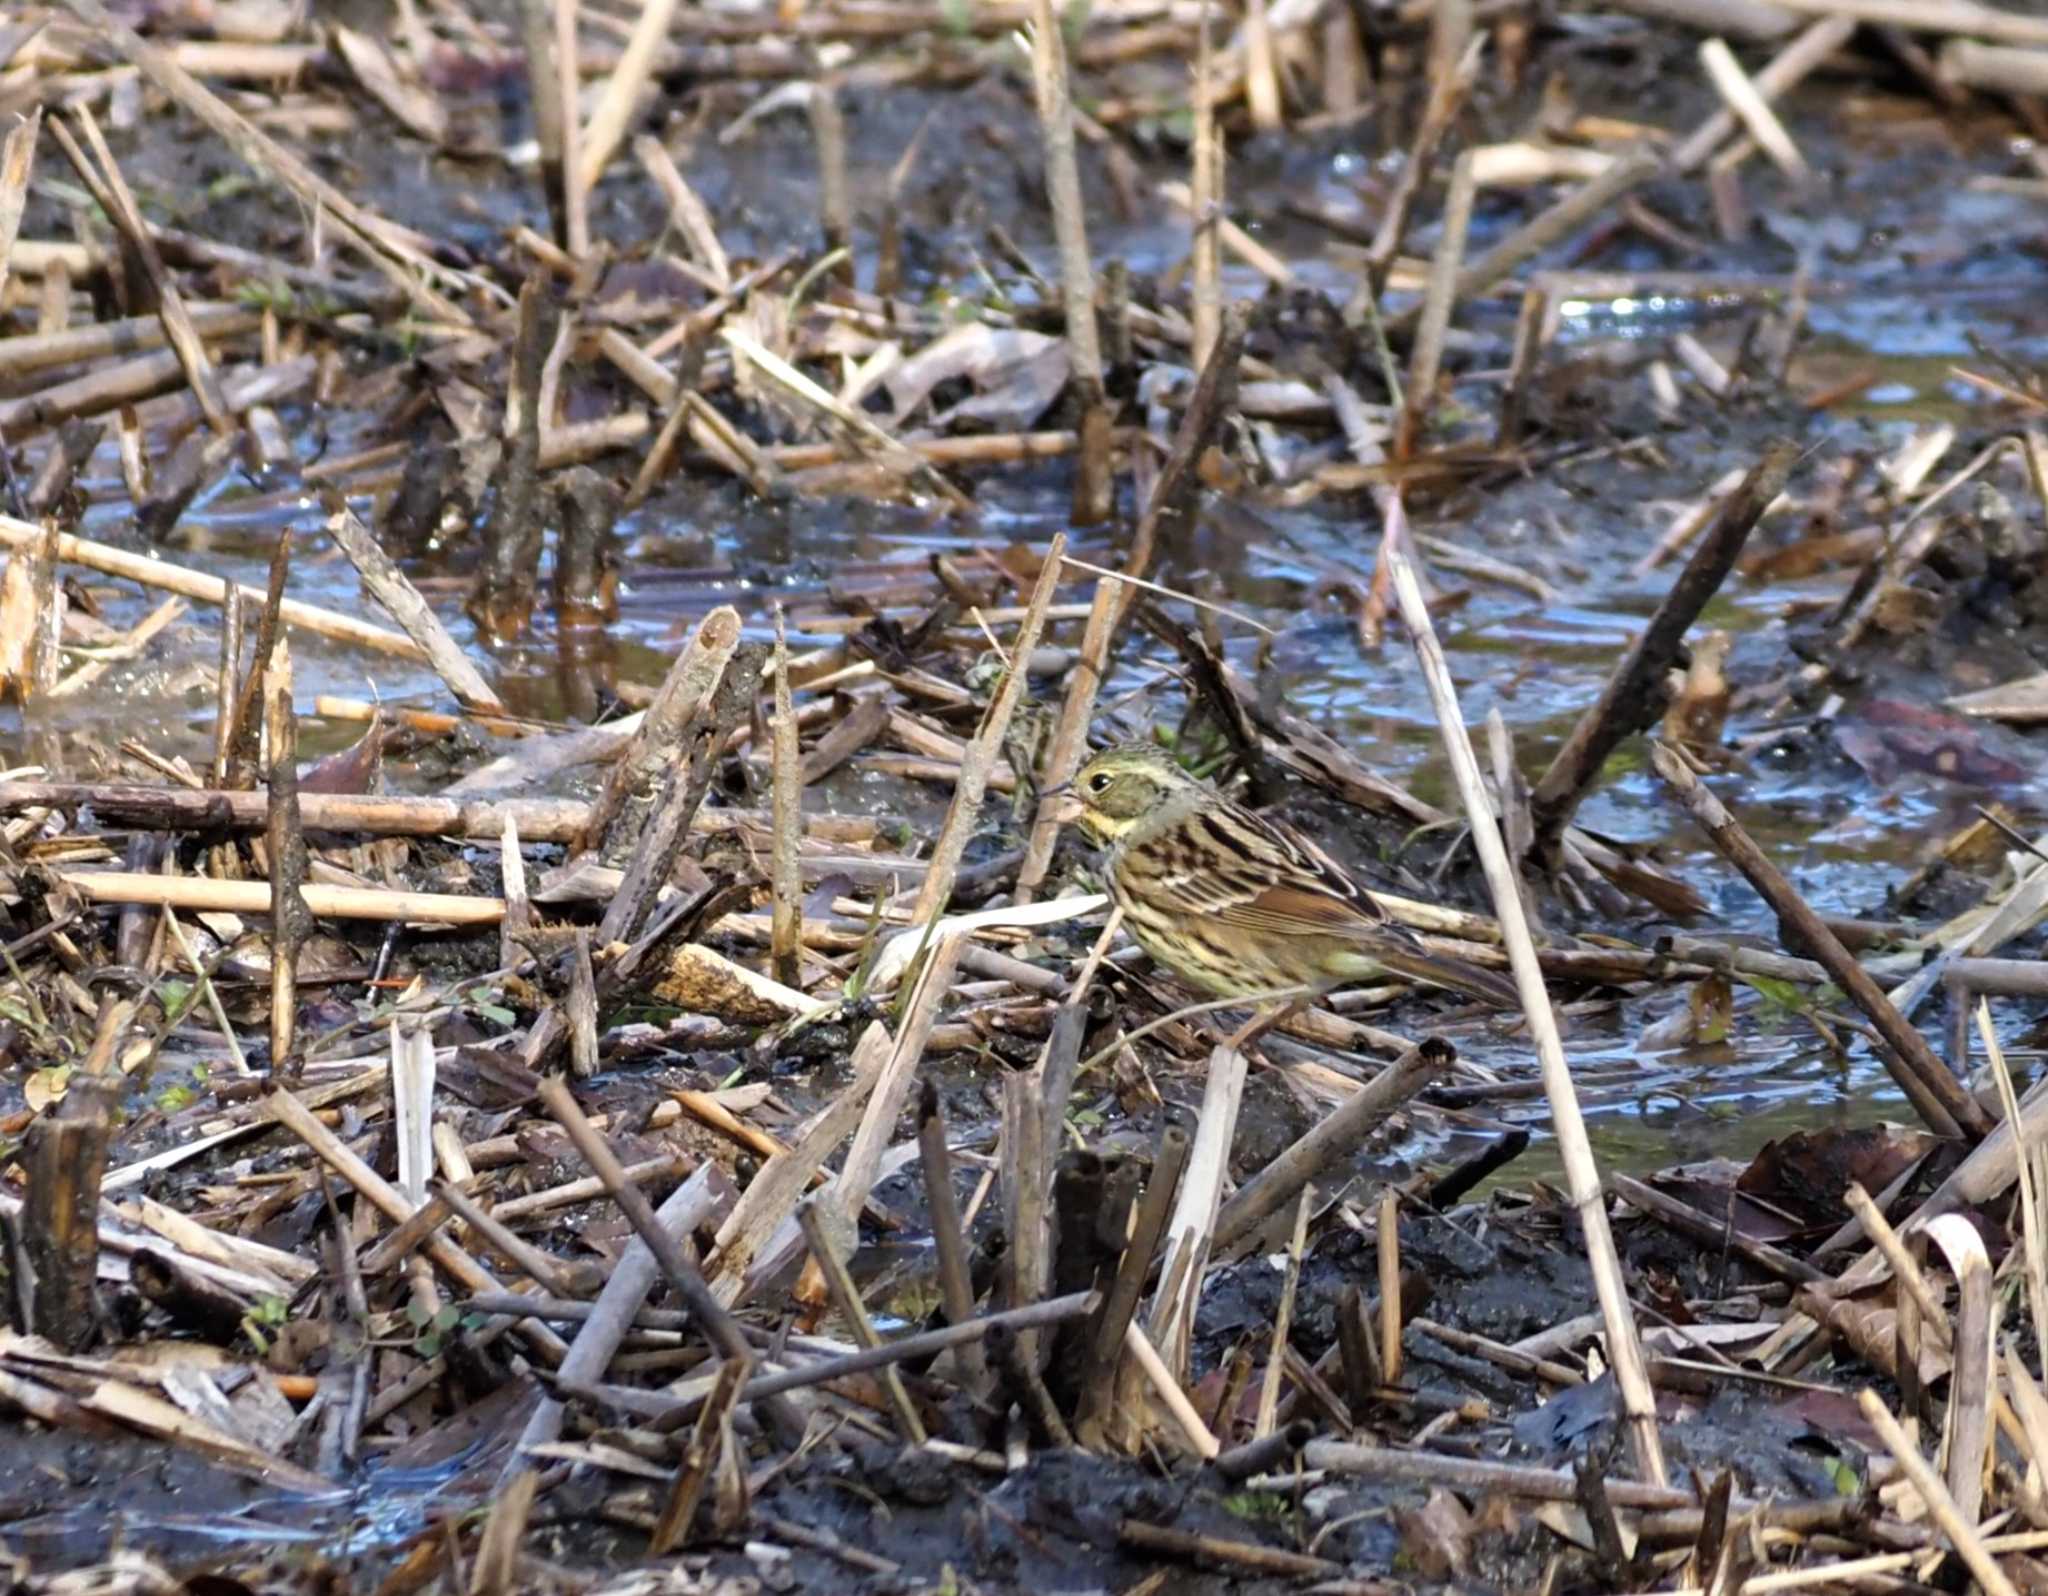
986	745
607	124
1741	96
1201	1439
1063	191
1639	1402
17	160
1940	1505
394	590
253	897
1787	68
206	589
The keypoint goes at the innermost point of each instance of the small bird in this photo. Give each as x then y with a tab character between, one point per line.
1233	902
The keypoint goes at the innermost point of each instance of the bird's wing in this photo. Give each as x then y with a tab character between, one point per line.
1232	866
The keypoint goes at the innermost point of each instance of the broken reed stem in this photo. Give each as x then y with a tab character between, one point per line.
17	161
115	198
1638	1401
673	1253
1283	1320
1438	301
1189	1232
1063	193
1336	1136
1205	209
1098	1381
1962	1534
1168	508
846	1298
393	589
986	746
601	135
1936	1095
204	589
1787	67
835	205
291	921
1634	694
925	1343
1200	1438
786	784
544	90
949	1235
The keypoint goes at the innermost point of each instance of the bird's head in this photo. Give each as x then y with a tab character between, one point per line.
1120	787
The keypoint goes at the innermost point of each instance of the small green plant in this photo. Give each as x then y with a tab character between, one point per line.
264	1320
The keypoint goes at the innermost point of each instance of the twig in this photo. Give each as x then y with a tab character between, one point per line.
1633	695
1936	1095
1334	1137
846	1298
1582	1173
1961	1532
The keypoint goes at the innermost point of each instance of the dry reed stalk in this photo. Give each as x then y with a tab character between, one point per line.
114	195
291	921
1333	1137
1633	695
846	1298
1638	1402
835	199
1438	301
2001	68
1932	16
1447	95
205	589
1205	210
253	897
786	799
17	161
1937	1096
1053	90
1200	1438
985	747
1283	1319
1962	1534
394	590
1190	1232
1791	64
685	209
1970	1379
602	134
1752	110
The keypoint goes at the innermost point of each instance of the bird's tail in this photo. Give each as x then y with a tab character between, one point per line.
1488	986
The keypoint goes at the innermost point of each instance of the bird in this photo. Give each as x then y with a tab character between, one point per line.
1237	904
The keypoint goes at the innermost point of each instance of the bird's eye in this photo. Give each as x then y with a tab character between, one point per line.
1099	782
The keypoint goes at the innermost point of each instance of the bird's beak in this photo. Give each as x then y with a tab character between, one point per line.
1066	803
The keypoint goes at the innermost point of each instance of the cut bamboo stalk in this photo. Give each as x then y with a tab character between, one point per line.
1638	1401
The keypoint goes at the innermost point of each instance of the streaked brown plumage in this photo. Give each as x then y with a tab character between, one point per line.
1231	901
